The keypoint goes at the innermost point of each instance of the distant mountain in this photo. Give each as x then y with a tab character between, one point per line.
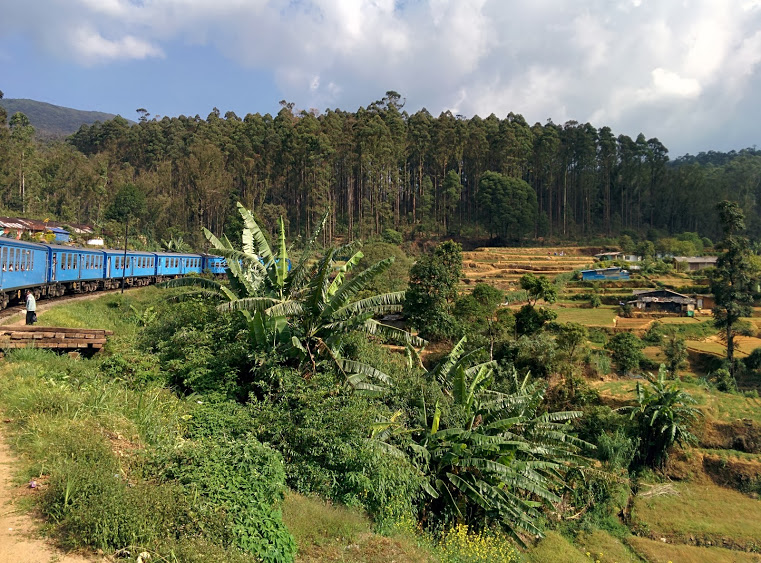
53	122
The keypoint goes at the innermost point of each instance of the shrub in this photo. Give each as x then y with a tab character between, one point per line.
93	503
459	544
240	485
626	350
322	429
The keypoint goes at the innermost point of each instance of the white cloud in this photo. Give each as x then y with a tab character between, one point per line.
92	47
670	84
676	70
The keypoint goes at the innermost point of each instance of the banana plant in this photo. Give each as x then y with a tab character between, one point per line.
505	463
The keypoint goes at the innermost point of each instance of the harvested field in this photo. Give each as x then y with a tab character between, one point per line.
503	267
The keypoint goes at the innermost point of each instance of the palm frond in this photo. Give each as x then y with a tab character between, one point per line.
356	284
259	240
247	304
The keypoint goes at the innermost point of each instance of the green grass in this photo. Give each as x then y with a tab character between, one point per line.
702	510
603	547
111	311
724	407
658	552
554	548
316	523
601	316
731	454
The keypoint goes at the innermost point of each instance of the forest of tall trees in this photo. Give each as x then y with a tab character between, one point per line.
375	168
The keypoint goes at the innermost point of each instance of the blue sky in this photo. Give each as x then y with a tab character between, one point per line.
685	71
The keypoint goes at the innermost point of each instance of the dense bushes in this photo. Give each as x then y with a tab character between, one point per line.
237	487
322	429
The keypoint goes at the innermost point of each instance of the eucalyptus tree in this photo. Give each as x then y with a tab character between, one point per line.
734	277
23	149
508	206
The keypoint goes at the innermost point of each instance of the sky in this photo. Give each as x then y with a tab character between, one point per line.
684	71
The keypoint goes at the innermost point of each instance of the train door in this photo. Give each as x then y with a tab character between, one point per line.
54	268
3	265
108	267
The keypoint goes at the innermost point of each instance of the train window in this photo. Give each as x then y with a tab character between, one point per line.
4	258
32	262
74	260
17	259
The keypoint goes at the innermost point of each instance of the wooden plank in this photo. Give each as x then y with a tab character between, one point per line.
25	328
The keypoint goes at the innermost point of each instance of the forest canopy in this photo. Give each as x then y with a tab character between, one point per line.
375	168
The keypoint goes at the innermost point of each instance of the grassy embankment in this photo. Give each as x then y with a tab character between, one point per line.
98	435
695	519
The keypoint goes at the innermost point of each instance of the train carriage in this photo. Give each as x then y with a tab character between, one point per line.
74	269
193	264
52	270
22	265
141	268
170	265
214	264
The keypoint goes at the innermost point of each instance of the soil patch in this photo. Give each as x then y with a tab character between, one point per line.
19	535
740	435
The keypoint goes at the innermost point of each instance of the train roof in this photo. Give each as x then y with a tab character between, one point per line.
16	242
71	248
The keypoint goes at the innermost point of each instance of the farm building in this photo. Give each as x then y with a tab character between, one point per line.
610	256
663	301
696	262
61	235
16	226
605	274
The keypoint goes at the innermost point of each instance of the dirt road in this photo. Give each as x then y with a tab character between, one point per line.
20	541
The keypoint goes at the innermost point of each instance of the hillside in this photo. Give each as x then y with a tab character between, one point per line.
50	121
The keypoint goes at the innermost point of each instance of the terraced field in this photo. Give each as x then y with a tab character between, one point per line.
503	267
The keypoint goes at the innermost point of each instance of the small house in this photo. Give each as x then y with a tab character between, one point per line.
614	255
61	235
663	301
695	263
605	274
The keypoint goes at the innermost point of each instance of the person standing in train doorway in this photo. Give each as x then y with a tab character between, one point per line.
31	308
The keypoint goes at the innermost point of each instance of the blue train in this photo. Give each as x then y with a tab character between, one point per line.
51	271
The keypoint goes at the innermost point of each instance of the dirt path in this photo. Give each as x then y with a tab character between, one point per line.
19	537
20	541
